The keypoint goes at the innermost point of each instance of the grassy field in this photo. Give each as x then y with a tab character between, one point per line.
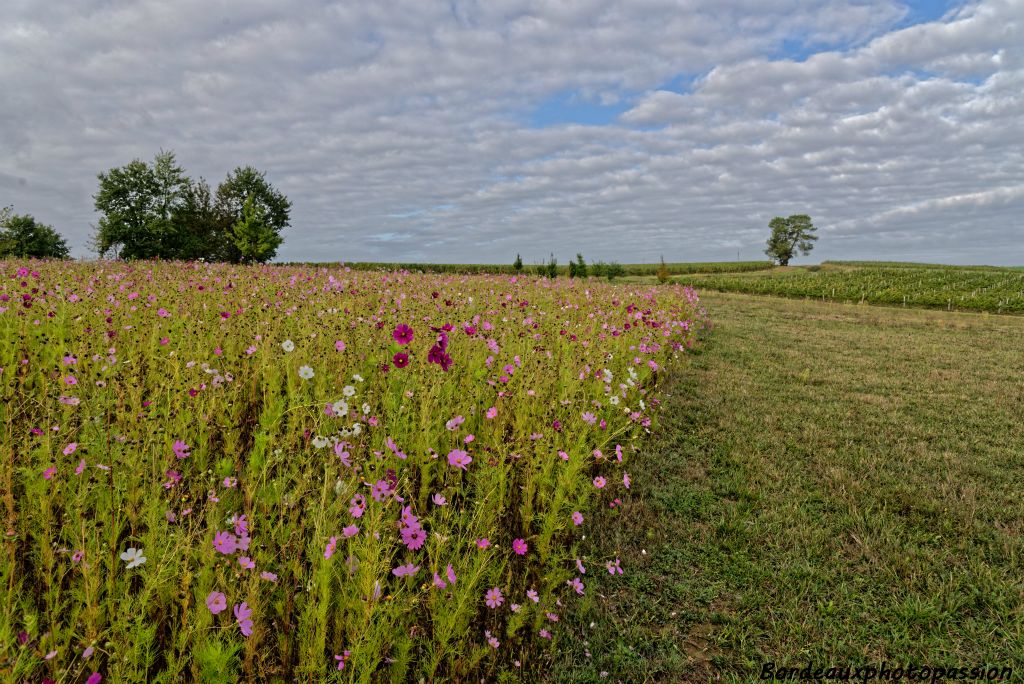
966	288
680	268
833	484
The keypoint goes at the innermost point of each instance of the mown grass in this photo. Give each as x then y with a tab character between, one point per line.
832	484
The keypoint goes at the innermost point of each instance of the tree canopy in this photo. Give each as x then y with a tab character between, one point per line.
790	236
153	210
23	236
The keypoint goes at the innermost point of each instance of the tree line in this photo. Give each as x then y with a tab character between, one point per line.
155	211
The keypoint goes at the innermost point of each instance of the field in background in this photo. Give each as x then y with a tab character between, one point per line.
563	269
837	485
966	288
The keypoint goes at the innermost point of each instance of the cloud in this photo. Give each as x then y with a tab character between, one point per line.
409	130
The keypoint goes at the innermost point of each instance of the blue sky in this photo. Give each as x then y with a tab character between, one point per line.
423	130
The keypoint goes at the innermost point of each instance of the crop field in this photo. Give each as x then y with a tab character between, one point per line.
681	268
221	473
992	289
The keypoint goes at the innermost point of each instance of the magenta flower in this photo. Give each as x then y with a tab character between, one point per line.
225	542
94	678
48	473
350	531
243	616
439	499
577	518
493	597
625	480
614	568
339	345
331	545
216	602
70	448
246	562
413	537
599	482
458	458
520	547
483	543
450	574
577	584
81	467
589	418
400	359
492	412
181	450
341	659
403	334
405	570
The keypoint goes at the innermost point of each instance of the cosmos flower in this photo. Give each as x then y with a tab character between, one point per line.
405	570
520	547
577	518
133	557
243	615
493	598
288	346
458	458
216	602
402	334
305	372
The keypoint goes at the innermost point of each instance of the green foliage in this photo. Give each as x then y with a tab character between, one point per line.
23	236
244	184
599	269
517	265
581	266
156	211
790	236
255	241
663	274
137	201
998	290
614	270
552	268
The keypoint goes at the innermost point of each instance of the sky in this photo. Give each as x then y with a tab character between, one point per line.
468	131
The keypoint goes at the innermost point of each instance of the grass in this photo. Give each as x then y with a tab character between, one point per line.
830	484
675	268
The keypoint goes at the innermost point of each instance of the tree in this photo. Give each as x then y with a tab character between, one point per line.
790	236
243	184
23	236
552	268
581	266
614	270
252	236
517	265
200	231
663	274
138	201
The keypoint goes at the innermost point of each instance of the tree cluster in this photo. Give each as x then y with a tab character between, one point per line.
22	236
153	210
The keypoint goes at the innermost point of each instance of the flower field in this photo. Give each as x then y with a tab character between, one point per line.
226	473
992	289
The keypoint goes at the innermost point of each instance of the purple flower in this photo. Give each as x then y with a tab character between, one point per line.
458	458
520	547
403	334
493	597
405	570
242	615
216	602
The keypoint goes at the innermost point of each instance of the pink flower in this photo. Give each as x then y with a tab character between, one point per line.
458	458
400	359
243	616
216	602
533	595
405	570
341	659
269	576
577	518
614	567
520	547
339	345
246	562
599	482
350	531
70	448
94	678
577	584
403	334
181	450
455	422
225	542
450	573
80	468
492	412
589	418
48	473
625	480
483	543
331	545
70	380
493	597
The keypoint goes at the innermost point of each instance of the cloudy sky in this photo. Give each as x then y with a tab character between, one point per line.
470	130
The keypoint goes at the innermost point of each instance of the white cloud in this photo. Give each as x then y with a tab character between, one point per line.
401	130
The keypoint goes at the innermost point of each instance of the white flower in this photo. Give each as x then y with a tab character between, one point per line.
607	375
348	391
305	372
366	409
340	407
356	428
288	345
614	399
320	442
643	406
133	557
357	377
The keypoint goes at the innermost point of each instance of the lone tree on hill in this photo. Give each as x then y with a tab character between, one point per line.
790	236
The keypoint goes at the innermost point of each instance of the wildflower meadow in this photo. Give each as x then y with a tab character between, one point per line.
229	473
